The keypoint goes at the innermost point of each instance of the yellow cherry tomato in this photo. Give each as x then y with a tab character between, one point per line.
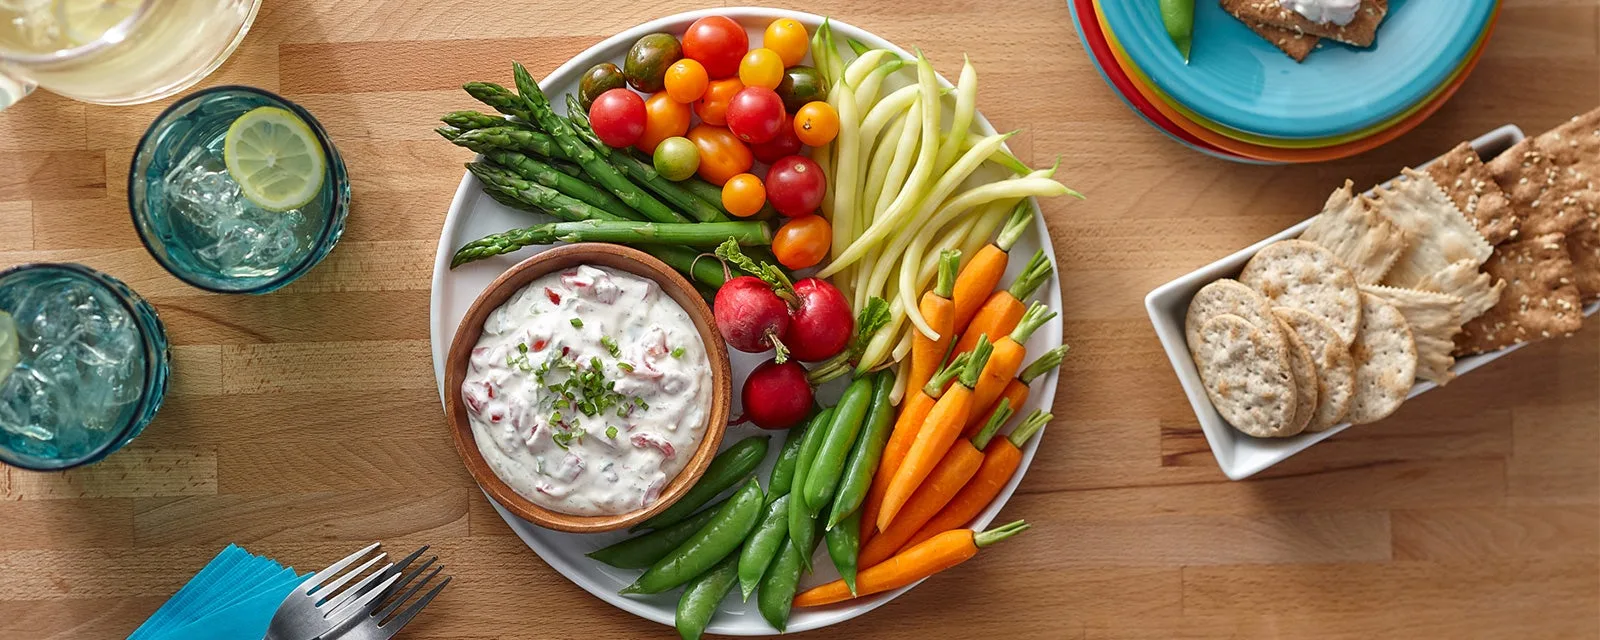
713	106
816	123
743	195
664	118
686	80
802	242
761	68
788	38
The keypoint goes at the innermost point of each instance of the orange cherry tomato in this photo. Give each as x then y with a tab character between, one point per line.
761	68
686	80
743	195
788	38
815	124
713	106
801	242
722	155
664	118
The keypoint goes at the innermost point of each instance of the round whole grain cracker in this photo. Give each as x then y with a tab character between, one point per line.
1335	368
1232	297
1246	375
1305	380
1385	356
1303	275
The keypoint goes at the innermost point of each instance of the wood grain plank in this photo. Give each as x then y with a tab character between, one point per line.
1462	535
16	226
354	517
407	65
65	524
52	175
131	473
391	364
1275	538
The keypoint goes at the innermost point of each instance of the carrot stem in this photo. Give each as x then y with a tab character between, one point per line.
1030	425
949	266
985	538
1033	275
1001	414
975	362
1046	361
1021	218
942	377
1035	317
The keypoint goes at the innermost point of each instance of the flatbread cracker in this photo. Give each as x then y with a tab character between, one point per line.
1439	233
1574	148
1583	246
1478	291
1335	369
1467	181
1435	319
1360	32
1364	241
1292	43
1540	300
1305	380
1300	274
1385	357
1247	376
1228	296
1546	197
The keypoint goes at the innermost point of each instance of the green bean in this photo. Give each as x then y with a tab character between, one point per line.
1178	16
639	552
776	594
822	474
868	451
782	477
763	544
844	546
800	516
706	547
701	598
727	469
966	108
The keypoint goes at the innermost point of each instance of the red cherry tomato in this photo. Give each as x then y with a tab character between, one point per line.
618	117
795	186
756	114
786	143
718	43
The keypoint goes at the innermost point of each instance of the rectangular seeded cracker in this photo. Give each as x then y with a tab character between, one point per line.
1440	234
1545	197
1435	319
1360	32
1574	148
1540	299
1364	241
1467	181
1292	43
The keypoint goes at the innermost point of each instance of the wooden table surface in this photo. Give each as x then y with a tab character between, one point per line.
305	423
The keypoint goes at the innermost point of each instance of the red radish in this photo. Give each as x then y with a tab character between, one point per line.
776	396
751	317
820	325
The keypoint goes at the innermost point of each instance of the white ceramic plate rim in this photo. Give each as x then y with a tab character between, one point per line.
1241	456
442	329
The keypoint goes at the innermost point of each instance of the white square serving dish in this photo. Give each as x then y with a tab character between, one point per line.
1240	455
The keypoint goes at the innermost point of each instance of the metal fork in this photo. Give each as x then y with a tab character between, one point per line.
316	606
382	623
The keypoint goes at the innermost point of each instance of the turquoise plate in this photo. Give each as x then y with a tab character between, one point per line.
1240	80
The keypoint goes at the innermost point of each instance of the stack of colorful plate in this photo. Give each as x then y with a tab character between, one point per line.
1239	98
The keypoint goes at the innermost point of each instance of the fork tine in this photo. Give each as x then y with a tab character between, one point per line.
394	626
333	569
326	591
395	602
334	604
359	607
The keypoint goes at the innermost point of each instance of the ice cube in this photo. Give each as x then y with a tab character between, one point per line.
30	406
49	315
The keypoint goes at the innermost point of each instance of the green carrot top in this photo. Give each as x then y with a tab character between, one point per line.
1046	361
1002	413
942	377
1021	219
1035	317
1030	425
980	357
1033	275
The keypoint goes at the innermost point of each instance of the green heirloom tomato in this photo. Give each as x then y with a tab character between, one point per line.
677	158
599	79
800	85
648	59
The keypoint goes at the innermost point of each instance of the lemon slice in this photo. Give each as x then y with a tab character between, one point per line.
275	158
84	21
9	354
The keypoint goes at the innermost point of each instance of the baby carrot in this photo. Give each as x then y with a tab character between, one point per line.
1006	359
1003	310
948	477
915	411
938	310
1017	389
938	432
1000	461
982	274
941	552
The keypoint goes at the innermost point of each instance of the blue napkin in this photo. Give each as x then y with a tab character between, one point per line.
233	596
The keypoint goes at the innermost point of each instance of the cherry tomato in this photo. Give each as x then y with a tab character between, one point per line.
713	106
686	80
618	117
795	186
788	38
783	144
718	43
802	242
664	118
816	123
761	68
756	114
743	195
676	158
722	155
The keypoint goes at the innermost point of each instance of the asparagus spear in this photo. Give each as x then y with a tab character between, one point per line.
542	173
467	120
505	197
501	98
644	173
576	150
709	234
701	267
510	139
537	195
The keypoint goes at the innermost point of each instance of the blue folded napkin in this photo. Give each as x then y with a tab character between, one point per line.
233	596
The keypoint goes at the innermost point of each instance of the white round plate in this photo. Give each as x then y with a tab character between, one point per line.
473	215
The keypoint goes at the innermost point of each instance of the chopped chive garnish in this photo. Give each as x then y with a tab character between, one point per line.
611	346
678	352
577	323
522	347
611	432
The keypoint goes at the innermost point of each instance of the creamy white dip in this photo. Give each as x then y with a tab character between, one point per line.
1339	12
588	391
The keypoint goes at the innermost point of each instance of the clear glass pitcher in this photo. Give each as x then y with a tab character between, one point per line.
115	51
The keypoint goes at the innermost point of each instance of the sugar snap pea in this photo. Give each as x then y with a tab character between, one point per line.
701	597
763	544
844	546
783	470
776	594
822	474
726	470
800	516
708	546
1178	17
867	453
641	551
